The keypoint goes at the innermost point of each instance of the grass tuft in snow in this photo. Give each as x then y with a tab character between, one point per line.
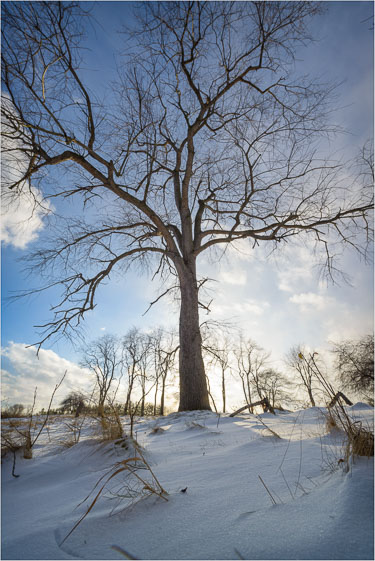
134	487
359	438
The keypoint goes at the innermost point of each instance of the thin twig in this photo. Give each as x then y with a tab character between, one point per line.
268	491
126	554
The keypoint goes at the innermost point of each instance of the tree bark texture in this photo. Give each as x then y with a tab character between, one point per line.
193	385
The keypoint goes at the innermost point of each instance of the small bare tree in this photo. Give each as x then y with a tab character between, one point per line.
164	349
303	368
251	360
103	358
219	356
74	402
355	365
136	353
274	386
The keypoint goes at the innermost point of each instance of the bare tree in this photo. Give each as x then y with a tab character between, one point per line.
210	140
136	349
164	349
251	360
274	386
74	402
145	372
219	353
355	365
103	358
304	368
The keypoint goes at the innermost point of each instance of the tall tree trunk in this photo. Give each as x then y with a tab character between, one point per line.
210	394
193	384
312	400
142	405
162	400
249	393
128	398
156	396
223	388
162	397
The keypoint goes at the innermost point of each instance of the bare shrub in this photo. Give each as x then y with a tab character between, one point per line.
27	436
74	431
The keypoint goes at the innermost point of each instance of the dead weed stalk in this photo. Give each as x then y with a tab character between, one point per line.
135	486
359	438
25	437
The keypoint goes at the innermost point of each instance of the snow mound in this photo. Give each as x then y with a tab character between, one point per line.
232	493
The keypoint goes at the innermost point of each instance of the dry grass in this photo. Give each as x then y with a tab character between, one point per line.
110	423
74	427
359	438
133	487
361	441
111	428
330	421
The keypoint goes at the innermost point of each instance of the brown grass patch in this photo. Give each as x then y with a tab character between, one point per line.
361	442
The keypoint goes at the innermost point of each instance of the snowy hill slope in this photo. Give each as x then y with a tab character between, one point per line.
226	512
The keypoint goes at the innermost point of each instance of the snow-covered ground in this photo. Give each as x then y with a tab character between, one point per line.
226	512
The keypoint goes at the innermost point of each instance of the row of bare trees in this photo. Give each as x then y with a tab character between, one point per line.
144	363
139	362
243	359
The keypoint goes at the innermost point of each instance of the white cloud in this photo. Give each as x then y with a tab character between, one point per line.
310	301
294	266
21	220
236	277
43	371
254	307
23	207
247	308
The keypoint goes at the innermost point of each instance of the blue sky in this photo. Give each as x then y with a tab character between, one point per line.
279	301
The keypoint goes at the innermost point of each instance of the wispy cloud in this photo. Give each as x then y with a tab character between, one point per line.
233	276
295	266
310	301
248	307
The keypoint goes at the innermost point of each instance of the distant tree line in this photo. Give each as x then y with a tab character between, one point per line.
143	364
243	359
